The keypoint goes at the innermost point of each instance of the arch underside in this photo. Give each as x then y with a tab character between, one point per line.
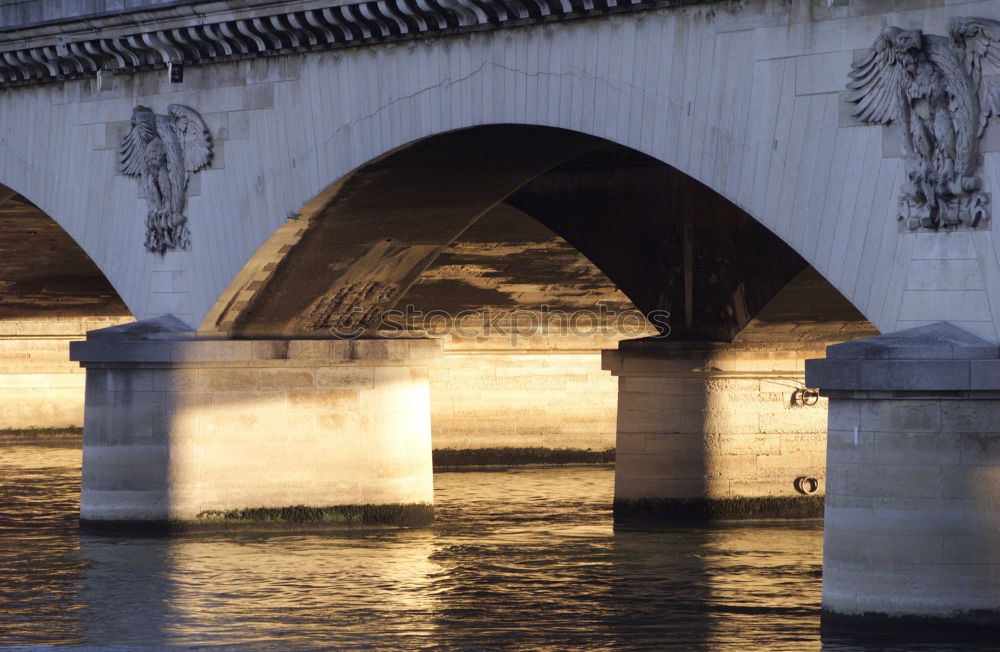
51	292
422	226
43	272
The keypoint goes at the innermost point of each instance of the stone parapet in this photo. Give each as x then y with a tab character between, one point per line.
912	525
186	432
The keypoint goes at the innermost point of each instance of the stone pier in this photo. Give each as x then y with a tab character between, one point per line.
183	432
912	526
715	430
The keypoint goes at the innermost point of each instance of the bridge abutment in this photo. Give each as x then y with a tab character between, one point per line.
912	526
715	430
181	432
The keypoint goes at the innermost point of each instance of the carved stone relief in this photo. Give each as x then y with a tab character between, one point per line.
348	311
940	92
163	151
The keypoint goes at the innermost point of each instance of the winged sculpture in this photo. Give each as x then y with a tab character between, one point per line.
940	91
163	151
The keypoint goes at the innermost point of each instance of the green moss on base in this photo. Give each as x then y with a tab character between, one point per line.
297	517
445	458
395	514
41	435
704	509
967	628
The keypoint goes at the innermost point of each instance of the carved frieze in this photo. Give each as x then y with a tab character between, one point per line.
163	151
349	310
939	92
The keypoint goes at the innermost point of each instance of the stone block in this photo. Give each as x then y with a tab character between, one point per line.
923	448
210	351
851	447
239	125
632	487
791	462
930	246
258	96
282	379
199	401
324	399
980	449
976	484
970	416
230	379
271	349
830	374
947	375
901	416
270	401
176	380
984	374
909	480
310	349
98	351
650	385
946	274
814	442
344	377
821	73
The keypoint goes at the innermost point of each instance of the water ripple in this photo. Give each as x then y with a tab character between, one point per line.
519	560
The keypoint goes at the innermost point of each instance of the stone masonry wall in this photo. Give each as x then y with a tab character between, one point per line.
39	386
496	399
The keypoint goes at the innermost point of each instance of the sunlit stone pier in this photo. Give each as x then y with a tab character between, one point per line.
183	432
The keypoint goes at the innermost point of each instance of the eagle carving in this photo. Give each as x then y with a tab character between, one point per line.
163	151
940	92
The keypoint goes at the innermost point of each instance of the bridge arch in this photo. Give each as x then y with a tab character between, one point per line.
745	309
762	128
666	240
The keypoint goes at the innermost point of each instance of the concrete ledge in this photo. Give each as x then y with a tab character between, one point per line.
663	358
893	375
937	357
166	341
297	518
670	510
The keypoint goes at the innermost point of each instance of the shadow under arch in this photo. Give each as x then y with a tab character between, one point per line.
43	271
668	242
51	292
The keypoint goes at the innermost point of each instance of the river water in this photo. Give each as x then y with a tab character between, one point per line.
518	559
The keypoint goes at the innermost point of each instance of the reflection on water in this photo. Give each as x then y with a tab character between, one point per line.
523	559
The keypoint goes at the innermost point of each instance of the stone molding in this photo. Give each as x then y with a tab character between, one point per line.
255	352
665	359
296	29
935	358
164	341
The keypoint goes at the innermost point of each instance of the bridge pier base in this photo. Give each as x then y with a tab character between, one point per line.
181	432
912	526
714	430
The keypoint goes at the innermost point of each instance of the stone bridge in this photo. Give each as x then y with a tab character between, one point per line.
243	191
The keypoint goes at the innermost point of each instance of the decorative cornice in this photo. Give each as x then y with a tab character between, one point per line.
57	58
